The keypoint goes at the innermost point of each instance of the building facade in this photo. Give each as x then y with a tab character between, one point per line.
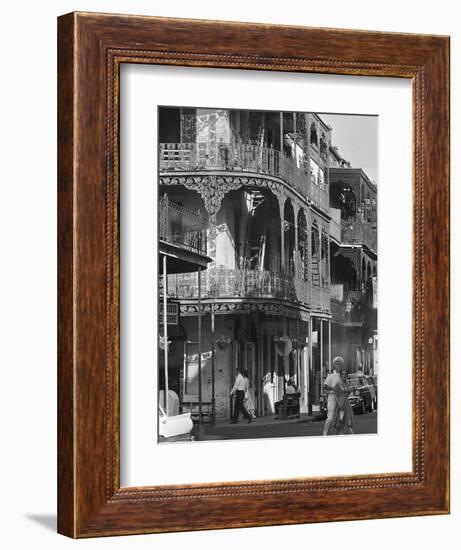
261	183
354	266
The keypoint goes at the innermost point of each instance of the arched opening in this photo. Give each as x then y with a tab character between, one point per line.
251	217
303	243
323	147
343	198
343	272
369	207
289	237
325	260
313	135
315	254
364	274
369	285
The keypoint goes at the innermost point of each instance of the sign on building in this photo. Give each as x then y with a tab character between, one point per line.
172	313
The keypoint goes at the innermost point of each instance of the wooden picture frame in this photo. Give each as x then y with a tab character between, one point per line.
92	48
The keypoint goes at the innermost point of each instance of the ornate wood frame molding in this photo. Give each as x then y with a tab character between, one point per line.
91	50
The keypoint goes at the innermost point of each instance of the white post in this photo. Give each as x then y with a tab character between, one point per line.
165	332
321	356
199	350
310	379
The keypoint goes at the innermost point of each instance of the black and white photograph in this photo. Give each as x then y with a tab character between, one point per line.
268	273
199	348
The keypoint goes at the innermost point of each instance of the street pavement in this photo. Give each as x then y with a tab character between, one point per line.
269	427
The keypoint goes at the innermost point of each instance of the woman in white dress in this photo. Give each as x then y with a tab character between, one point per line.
249	405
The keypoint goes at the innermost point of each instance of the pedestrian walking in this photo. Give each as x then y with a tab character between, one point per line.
343	418
239	389
330	382
248	402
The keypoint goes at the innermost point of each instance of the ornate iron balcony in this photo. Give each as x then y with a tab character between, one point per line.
226	283
181	226
242	157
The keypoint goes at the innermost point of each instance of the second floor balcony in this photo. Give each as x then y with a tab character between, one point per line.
358	232
242	284
241	157
182	227
353	306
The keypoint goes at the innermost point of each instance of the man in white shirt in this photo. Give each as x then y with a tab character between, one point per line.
240	386
330	382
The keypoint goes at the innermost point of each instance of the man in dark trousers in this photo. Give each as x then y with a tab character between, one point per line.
240	386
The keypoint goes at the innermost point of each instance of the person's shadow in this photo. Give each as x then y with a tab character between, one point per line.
49	521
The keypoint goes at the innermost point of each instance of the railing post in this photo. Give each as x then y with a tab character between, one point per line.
165	332
321	356
167	218
310	371
199	350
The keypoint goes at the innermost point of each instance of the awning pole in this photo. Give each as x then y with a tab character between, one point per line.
199	351
321	358
213	352
310	388
165	332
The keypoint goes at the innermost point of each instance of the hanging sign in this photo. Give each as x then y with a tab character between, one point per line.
172	313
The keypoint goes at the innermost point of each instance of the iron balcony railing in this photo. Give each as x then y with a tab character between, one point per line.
335	224
181	226
244	283
358	232
242	157
353	306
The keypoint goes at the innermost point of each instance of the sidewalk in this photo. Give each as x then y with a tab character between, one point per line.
260	427
267	420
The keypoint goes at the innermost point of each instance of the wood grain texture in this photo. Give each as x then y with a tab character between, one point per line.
91	49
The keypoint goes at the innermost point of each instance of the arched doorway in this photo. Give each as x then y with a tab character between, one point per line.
289	237
303	243
342	197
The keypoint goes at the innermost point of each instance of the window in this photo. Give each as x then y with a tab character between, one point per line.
314	170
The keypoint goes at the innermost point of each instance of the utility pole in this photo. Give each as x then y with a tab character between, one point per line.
165	333
199	351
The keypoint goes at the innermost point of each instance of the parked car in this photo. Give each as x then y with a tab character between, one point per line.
174	428
362	396
373	381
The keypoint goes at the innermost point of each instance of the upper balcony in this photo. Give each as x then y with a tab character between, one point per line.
182	236
358	232
198	157
335	224
353	307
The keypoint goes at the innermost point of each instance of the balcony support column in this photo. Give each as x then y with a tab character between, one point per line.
199	350
165	334
296	208
281	132
309	252
310	372
281	198
321	357
295	136
319	256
